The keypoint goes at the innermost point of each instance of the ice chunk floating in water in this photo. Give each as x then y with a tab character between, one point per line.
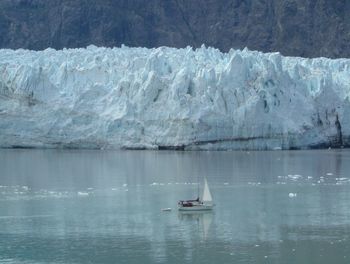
172	98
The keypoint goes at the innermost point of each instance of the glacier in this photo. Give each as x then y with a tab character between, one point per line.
167	98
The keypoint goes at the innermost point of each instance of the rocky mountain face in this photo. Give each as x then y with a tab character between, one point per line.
309	28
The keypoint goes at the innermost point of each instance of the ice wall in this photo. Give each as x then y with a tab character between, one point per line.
172	98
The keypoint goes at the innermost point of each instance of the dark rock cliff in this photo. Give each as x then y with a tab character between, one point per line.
309	28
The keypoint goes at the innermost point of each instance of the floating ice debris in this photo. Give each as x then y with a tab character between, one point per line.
329	173
341	181
90	189
257	245
154	184
124	185
254	183
83	193
226	183
114	189
292	195
166	209
309	177
294	177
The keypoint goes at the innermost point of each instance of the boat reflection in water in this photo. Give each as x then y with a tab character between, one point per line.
203	218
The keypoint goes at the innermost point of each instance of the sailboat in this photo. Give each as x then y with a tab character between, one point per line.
206	203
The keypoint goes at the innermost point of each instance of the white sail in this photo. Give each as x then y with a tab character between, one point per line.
206	192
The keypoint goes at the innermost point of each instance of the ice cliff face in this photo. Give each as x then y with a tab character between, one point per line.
172	98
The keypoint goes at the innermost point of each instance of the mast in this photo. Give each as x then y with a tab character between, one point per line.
198	185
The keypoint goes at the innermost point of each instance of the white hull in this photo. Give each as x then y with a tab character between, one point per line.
196	208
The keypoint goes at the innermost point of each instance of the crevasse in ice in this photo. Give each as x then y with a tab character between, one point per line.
172	98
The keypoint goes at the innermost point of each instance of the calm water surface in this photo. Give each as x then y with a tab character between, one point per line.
105	207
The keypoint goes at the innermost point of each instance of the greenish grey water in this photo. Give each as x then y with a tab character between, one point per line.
60	206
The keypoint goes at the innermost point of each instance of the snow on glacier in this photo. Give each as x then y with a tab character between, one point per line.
172	98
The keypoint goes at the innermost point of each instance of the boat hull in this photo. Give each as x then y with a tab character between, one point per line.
196	208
